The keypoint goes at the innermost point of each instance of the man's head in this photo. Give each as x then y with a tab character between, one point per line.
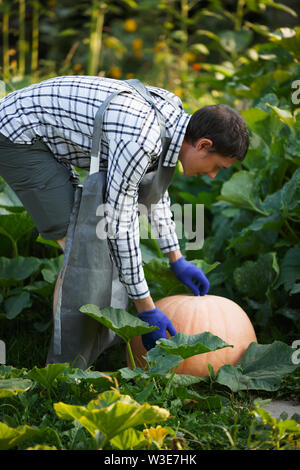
215	138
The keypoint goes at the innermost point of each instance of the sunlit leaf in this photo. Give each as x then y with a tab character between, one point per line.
11	437
129	439
11	387
111	413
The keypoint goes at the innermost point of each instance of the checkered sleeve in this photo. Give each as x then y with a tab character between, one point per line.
163	226
128	163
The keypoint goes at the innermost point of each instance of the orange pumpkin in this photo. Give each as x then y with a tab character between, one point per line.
195	314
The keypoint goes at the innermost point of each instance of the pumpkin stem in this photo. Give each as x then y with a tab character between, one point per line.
131	355
167	389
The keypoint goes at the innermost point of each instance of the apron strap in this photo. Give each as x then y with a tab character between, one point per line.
140	88
97	132
98	122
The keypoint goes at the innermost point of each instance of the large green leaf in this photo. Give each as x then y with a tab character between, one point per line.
287	38
111	414
235	41
254	278
51	268
240	190
98	379
284	115
289	269
129	439
17	269
124	324
11	437
290	197
261	368
185	346
47	375
11	387
15	304
15	226
160	363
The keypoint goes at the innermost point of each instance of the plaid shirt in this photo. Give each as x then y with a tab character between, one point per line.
61	112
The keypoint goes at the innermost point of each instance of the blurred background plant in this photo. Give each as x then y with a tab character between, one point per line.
244	53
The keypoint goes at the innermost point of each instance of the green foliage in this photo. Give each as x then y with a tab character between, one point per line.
112	414
238	53
261	368
186	346
118	320
11	387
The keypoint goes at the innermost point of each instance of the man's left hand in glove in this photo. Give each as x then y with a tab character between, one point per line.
191	276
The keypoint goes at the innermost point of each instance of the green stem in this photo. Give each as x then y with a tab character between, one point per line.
22	42
291	230
15	248
104	443
35	37
184	19
130	355
166	391
97	21
239	15
5	37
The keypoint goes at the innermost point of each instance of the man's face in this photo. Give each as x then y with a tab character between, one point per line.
197	160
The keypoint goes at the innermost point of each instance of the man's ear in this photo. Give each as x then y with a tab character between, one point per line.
204	144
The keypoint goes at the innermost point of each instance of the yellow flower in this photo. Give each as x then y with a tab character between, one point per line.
111	42
77	67
130	25
92	388
129	75
138	54
157	435
115	72
137	44
13	64
178	92
190	56
159	46
168	25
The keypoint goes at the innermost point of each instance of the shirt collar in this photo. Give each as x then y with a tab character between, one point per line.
176	140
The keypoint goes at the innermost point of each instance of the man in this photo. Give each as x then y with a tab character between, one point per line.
47	127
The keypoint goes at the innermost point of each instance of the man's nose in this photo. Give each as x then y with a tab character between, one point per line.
212	174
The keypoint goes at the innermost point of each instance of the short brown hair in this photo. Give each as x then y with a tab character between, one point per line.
224	126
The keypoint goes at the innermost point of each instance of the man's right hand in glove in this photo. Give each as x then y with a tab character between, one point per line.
156	317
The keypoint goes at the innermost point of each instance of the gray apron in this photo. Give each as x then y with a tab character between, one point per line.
88	274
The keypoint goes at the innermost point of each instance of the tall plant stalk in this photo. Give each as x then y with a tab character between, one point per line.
22	41
5	37
35	36
184	19
239	16
95	43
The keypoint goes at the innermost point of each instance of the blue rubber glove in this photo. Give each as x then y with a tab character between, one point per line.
191	276
156	317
